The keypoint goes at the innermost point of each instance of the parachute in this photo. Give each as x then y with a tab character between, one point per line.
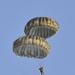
41	26
34	44
31	46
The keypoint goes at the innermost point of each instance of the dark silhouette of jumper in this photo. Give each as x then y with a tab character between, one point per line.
41	70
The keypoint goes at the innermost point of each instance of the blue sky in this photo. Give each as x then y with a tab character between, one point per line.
14	14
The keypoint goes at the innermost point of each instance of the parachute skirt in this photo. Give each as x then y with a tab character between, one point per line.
42	31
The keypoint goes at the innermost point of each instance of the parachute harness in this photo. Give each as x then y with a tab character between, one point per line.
41	70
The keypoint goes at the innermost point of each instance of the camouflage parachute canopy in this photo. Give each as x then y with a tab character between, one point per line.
41	26
31	46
